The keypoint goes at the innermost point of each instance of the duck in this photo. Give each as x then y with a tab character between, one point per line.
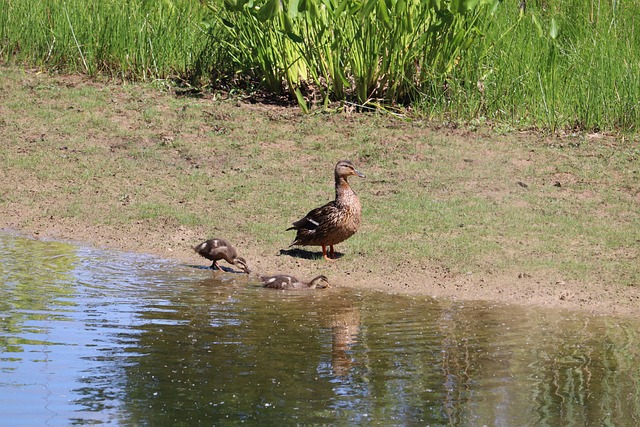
284	281
335	221
219	249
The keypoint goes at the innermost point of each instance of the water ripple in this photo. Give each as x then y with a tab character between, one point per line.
97	337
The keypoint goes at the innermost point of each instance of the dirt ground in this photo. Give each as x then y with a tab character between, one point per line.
407	279
30	204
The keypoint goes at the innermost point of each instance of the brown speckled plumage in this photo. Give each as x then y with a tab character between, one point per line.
219	249
336	221
284	281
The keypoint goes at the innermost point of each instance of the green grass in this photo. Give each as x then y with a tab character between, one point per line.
560	65
130	40
449	198
582	77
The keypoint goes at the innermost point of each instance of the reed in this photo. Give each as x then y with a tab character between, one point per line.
132	39
558	65
371	51
553	65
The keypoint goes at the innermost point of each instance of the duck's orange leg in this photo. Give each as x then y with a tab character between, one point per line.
332	254
324	253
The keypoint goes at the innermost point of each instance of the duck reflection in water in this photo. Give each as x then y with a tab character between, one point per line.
345	328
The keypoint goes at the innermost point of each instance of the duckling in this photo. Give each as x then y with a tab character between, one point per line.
284	281
336	221
217	249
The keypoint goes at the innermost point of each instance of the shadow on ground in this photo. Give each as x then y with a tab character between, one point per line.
222	268
303	253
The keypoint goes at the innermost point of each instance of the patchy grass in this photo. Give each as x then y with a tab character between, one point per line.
135	158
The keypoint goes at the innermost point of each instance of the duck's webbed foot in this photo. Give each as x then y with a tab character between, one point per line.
331	253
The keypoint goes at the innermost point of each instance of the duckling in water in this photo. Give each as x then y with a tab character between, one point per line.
218	249
284	281
336	221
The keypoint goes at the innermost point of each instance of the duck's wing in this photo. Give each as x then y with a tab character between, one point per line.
214	248
281	281
314	218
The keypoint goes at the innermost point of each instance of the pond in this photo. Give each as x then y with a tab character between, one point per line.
101	337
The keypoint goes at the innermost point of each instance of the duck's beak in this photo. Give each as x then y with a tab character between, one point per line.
243	266
360	174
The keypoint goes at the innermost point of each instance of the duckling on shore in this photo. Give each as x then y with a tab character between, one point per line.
219	249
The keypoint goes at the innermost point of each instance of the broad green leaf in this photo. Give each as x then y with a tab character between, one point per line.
301	101
455	6
236	6
206	25
342	77
294	8
294	37
494	6
227	23
341	7
368	7
553	31
286	23
463	6
535	21
401	7
383	13
270	9
311	7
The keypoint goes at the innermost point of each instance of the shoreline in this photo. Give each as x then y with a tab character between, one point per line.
456	213
527	290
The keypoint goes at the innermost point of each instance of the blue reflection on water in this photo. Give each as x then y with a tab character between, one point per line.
97	337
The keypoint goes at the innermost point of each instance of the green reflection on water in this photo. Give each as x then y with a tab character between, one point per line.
174	345
35	277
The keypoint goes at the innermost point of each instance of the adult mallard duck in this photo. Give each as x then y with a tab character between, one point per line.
284	281
218	249
336	221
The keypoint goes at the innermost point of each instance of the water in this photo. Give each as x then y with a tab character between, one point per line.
96	337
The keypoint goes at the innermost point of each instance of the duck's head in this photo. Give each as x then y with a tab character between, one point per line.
345	168
319	282
241	264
